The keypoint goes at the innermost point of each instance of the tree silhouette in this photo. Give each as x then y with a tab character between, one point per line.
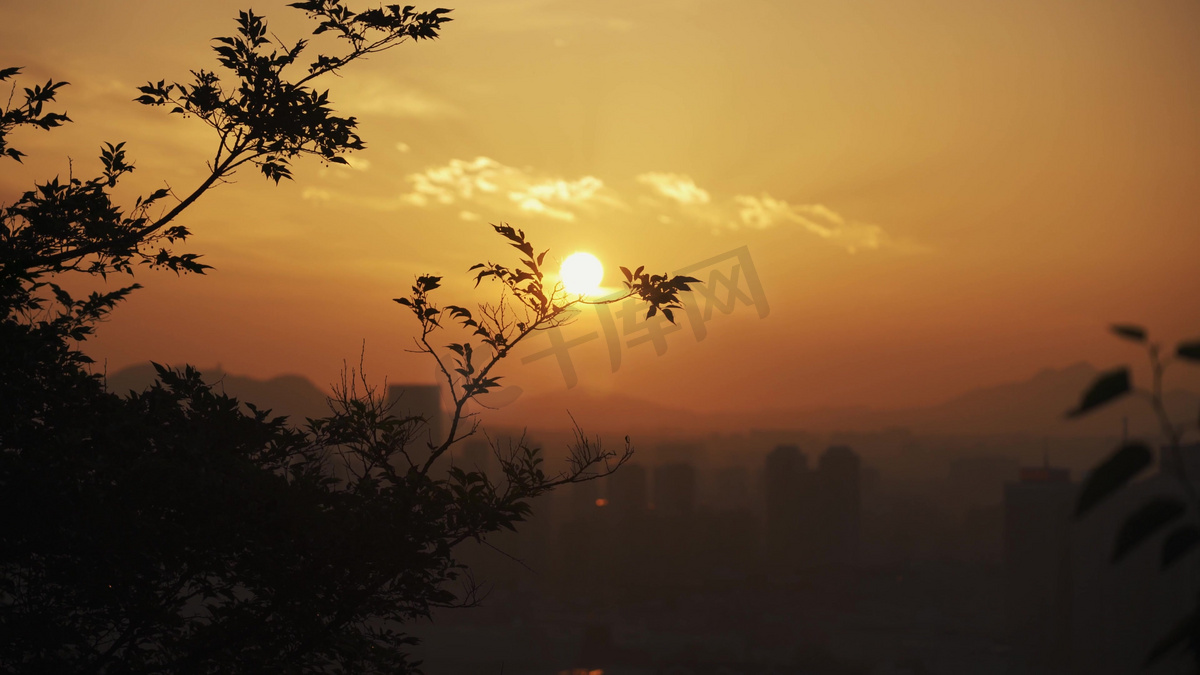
179	530
1116	471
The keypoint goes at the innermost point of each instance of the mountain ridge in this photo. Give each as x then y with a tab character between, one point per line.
1034	405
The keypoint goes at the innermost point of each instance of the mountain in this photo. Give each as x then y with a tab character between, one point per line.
292	395
1034	406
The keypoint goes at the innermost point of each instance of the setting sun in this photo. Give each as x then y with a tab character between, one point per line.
582	273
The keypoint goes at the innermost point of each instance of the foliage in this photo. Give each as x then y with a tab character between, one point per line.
526	305
30	112
180	530
1159	513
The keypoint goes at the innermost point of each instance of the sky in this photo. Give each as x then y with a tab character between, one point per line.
933	196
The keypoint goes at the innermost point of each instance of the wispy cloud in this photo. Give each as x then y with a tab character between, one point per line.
492	187
382	96
678	187
765	211
483	189
689	202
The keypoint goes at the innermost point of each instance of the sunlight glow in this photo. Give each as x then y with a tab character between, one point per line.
582	273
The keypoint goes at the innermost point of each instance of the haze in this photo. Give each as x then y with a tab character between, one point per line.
936	196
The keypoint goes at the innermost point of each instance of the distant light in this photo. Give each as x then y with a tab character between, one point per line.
582	273
601	502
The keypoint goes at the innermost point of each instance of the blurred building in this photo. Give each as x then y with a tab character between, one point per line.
1038	508
583	500
728	489
838	507
978	481
626	491
674	489
475	454
787	488
422	401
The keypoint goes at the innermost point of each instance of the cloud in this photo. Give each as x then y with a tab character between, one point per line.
382	96
483	189
689	202
316	194
764	211
678	187
492	187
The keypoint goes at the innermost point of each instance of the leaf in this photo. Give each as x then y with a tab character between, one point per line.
1144	522
1113	473
1129	332
1178	543
1181	633
1108	386
1189	350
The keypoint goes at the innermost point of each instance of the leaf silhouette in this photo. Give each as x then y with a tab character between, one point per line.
1108	386
1178	543
1113	473
1189	350
1185	629
1130	332
1147	520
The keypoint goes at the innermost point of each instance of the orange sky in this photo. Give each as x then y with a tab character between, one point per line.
936	195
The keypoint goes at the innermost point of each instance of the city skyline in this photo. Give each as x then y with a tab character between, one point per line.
672	338
1011	179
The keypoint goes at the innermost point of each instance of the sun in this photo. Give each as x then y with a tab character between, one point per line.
582	273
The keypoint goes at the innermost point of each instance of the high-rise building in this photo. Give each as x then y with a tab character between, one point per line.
422	401
1037	528
728	489
978	480
626	491
838	515
583	499
475	454
674	489
788	490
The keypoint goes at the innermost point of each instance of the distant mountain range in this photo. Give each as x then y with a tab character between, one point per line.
292	395
1034	406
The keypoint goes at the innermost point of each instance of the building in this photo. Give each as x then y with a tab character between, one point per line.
787	488
728	489
838	507
475	454
1038	508
626	491
674	489
422	401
